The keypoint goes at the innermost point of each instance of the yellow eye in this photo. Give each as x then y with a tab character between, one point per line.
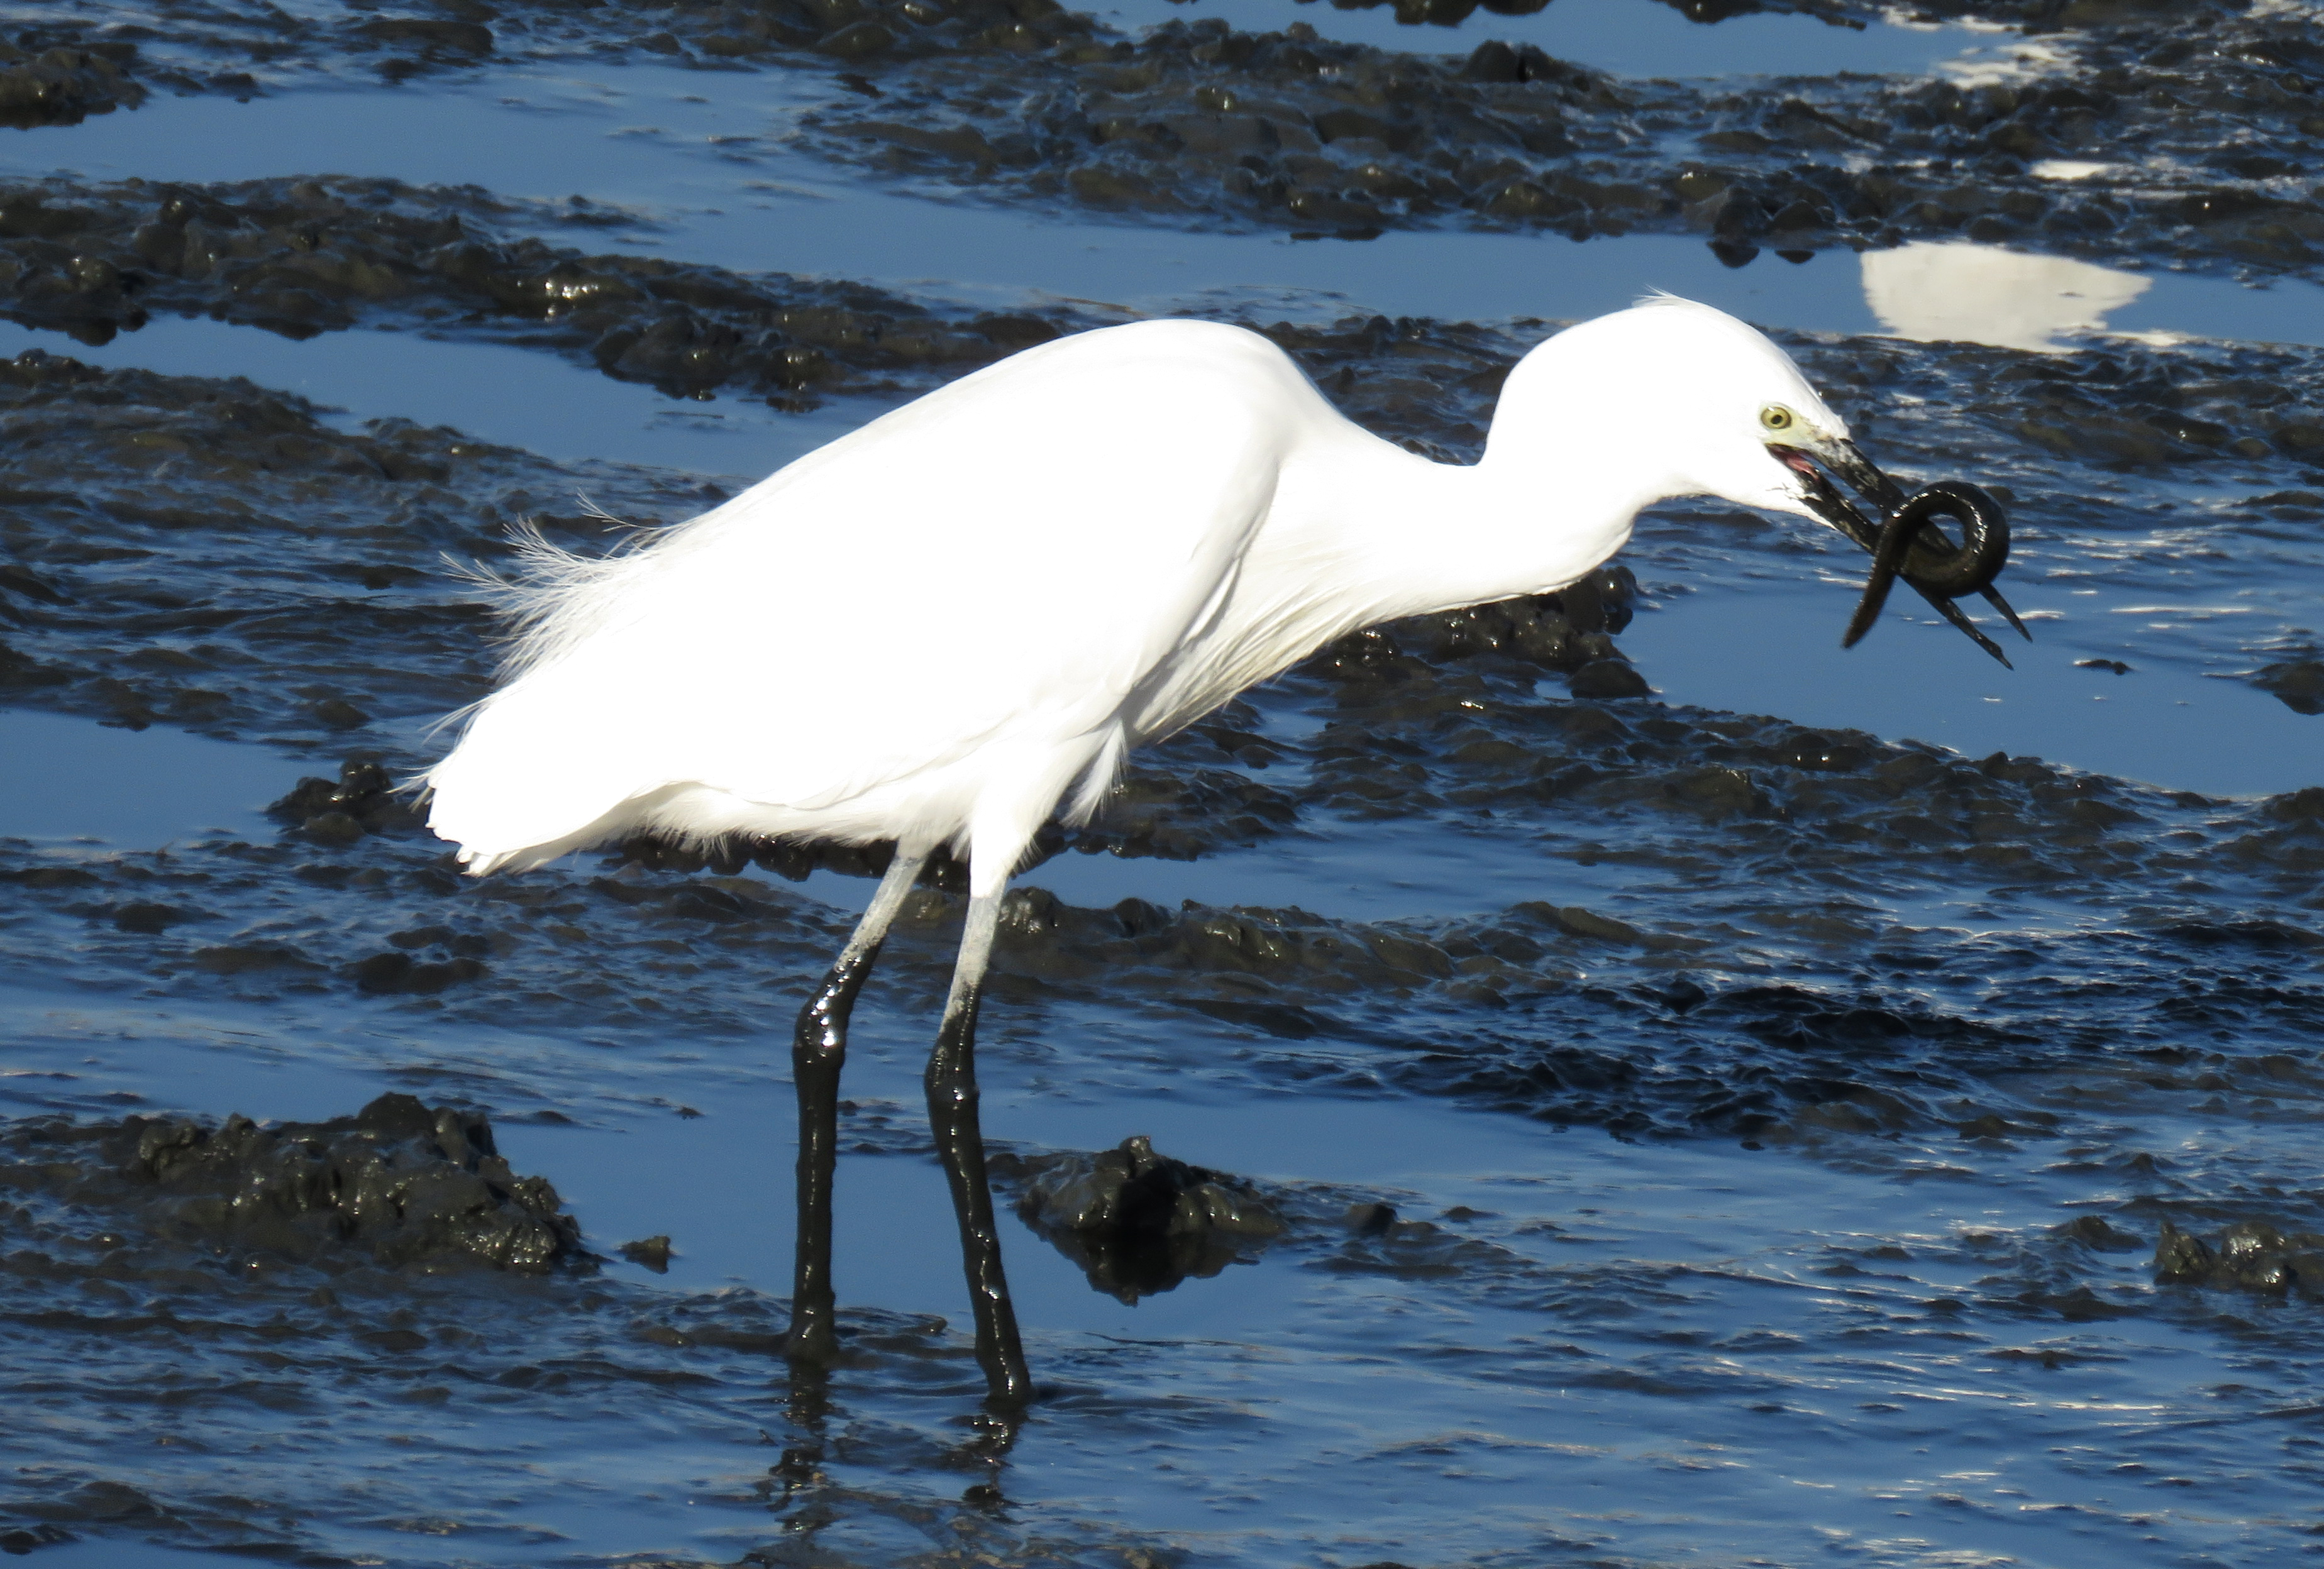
1776	417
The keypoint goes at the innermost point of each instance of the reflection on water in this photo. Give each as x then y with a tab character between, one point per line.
1984	294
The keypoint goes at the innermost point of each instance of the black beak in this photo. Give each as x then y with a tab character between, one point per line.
1907	543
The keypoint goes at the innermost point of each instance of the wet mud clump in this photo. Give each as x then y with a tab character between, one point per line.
1136	1222
363	800
400	1184
64	86
1572	630
2297	683
2251	1255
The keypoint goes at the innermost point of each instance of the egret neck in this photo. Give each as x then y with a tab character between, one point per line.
1362	531
1415	536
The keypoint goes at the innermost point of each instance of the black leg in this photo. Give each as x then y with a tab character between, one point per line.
960	1144
818	1052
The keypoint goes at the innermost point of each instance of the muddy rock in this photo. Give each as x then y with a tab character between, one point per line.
1139	1223
2250	1255
2297	683
65	86
363	799
2092	1230
653	1252
398	1184
1567	630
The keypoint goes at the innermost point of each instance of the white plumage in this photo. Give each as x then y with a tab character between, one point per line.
933	625
931	630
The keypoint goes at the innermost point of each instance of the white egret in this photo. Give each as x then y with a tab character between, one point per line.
951	624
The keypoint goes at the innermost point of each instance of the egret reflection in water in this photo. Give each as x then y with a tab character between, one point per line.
1946	291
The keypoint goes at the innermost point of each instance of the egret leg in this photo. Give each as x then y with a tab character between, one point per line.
818	1051
960	1143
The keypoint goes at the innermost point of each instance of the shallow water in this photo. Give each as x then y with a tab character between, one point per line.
64	778
492	391
1630	38
1732	1240
2166	723
1692	1349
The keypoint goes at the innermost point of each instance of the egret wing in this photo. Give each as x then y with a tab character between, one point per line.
1008	557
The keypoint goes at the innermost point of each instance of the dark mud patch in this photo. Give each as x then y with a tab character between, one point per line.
2250	1255
2297	683
300	257
2190	134
363	800
64	86
1288	129
399	1185
1137	1222
242	49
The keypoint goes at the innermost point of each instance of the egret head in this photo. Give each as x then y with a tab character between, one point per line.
1723	410
1696	403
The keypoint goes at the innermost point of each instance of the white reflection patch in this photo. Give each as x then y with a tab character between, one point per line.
1959	292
